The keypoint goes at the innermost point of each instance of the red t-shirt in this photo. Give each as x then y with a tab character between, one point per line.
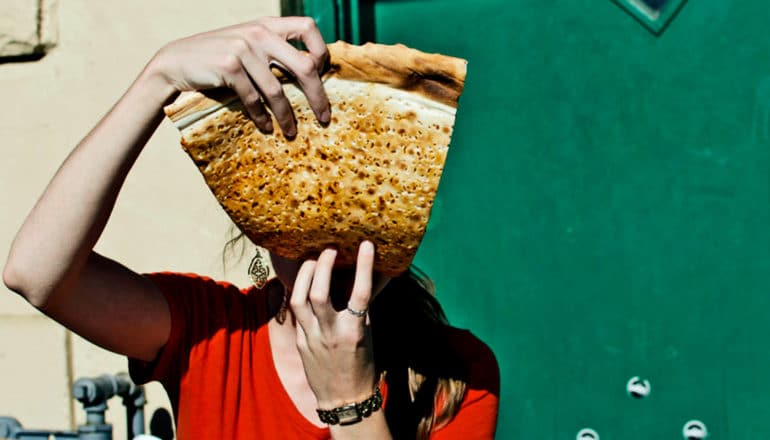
218	370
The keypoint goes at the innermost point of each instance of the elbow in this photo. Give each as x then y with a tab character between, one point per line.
12	278
16	281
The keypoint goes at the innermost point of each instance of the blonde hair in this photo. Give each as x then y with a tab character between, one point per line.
446	402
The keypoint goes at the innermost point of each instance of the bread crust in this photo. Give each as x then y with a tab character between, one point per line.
436	77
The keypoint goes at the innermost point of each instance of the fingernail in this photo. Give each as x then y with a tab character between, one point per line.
367	247
263	123
326	116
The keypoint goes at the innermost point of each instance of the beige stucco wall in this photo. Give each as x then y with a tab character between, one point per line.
165	218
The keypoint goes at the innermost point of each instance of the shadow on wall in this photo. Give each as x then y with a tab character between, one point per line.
22	58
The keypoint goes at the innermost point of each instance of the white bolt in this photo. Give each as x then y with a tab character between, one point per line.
694	430
638	388
587	434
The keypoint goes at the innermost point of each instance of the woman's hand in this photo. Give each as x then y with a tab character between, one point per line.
240	58
336	347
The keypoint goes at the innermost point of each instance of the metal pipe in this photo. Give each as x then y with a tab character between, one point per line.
134	400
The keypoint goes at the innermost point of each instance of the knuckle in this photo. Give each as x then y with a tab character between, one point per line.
302	344
306	66
258	32
307	24
318	297
273	91
240	46
231	64
361	292
251	99
295	303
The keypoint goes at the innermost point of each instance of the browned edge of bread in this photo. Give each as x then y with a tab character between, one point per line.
437	77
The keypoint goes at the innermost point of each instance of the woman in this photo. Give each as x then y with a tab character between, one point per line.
237	363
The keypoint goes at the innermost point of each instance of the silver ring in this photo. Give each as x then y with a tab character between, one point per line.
357	313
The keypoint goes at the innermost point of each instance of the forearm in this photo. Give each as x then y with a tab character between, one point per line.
373	427
59	233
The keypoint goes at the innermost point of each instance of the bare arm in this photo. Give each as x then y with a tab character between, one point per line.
52	263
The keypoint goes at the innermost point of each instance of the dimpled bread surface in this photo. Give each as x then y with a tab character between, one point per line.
371	174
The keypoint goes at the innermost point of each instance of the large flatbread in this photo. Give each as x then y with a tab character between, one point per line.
371	174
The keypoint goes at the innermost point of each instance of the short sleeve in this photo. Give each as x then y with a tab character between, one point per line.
172	287
198	308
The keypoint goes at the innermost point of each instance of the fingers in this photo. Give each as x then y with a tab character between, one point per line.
305	66
319	292
241	84
305	30
272	91
310	299
240	58
299	295
362	286
305	70
258	45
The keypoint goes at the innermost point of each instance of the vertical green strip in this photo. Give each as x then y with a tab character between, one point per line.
355	23
343	20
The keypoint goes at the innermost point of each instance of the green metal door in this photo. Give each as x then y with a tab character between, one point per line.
604	211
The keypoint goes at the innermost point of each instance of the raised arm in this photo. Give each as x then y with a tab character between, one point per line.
52	262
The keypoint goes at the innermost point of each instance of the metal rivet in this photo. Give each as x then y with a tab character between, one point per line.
638	388
587	434
694	430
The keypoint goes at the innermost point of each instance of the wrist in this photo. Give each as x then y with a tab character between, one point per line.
353	412
347	391
154	81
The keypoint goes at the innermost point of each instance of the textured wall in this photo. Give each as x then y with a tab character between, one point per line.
28	27
165	218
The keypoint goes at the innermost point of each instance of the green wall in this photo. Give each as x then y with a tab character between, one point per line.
604	211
